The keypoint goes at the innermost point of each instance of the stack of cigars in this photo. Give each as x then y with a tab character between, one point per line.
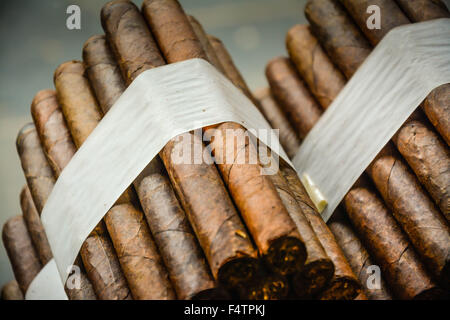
222	231
397	214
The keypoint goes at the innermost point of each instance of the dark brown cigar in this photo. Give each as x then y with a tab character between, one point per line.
423	10
344	285
11	291
254	194
206	44
35	227
413	209
22	255
437	109
359	259
272	112
428	156
340	37
324	80
391	16
97	252
388	245
293	96
173	235
82	115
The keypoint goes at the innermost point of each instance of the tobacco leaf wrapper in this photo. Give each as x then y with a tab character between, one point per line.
437	109
423	10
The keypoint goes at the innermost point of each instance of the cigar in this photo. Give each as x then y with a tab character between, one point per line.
344	285
22	255
358	258
82	114
318	269
269	286
293	97
323	79
97	252
274	232
40	183
423	10
388	245
413	209
437	109
34	226
11	291
391	16
340	37
219	230
205	43
428	156
186	265
272	112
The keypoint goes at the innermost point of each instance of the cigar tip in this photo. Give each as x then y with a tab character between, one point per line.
93	40
40	97
72	66
9	226
26	129
274	61
261	93
109	7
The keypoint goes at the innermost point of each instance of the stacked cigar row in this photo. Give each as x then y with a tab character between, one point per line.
397	213
186	231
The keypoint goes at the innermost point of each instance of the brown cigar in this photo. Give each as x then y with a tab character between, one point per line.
255	196
294	98
388	245
359	258
340	37
437	109
22	255
344	284
82	115
428	156
391	16
206	44
11	291
97	252
267	286
173	235
40	185
324	80
272	112
35	227
423	10
423	223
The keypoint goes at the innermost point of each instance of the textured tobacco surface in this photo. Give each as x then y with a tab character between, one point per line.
423	10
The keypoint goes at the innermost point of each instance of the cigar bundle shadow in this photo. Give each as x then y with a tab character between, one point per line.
222	230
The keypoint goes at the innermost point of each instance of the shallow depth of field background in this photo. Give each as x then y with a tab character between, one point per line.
35	40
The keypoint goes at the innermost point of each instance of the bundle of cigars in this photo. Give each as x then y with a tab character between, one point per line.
221	230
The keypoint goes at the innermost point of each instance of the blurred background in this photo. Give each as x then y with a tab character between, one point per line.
35	40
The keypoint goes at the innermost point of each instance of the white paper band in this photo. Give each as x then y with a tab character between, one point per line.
167	101
47	285
402	70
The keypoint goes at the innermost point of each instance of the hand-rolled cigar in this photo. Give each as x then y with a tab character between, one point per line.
324	80
22	255
318	269
437	109
139	258
344	285
232	257
413	209
423	10
38	172
292	95
35	227
391	16
358	258
340	37
206	44
272	112
97	252
428	156
388	245
186	265
11	291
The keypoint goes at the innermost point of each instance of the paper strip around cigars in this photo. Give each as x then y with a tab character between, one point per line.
401	71
47	285
167	101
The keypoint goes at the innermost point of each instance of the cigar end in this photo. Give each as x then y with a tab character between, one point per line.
10	226
237	271
286	255
313	278
267	287
23	133
342	288
112	8
72	66
40	110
